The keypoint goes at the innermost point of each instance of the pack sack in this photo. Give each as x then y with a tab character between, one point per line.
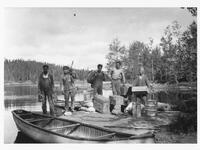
91	78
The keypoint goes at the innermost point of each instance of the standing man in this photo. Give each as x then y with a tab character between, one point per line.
117	77
98	78
46	90
69	89
141	80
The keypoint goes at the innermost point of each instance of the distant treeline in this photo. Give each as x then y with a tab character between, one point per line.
20	71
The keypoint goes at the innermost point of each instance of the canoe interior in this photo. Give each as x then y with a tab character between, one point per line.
69	128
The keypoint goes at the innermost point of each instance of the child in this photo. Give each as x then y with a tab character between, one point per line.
69	89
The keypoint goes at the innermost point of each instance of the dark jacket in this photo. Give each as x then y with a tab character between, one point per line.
46	85
98	78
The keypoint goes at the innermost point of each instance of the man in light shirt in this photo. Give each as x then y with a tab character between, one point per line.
118	78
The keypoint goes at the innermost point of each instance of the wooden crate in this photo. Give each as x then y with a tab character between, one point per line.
116	100
88	95
101	104
138	89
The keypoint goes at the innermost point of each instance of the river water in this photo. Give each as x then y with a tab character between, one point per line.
24	97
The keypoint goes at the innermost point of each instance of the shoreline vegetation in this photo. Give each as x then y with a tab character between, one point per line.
107	85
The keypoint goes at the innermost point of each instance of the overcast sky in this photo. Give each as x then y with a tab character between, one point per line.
60	35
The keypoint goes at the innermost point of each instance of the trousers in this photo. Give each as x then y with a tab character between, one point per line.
98	89
51	104
116	84
67	95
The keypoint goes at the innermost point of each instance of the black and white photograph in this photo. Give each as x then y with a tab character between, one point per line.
102	75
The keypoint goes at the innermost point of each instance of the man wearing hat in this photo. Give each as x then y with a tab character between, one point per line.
68	87
46	90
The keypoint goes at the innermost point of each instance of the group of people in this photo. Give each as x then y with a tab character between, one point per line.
46	88
117	77
96	78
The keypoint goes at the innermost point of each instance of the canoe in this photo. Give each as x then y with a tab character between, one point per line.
48	129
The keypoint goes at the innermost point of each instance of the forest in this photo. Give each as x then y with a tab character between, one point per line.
20	71
173	60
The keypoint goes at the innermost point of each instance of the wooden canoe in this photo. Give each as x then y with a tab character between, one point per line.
48	129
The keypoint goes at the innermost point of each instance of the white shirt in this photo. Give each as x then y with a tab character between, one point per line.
45	76
117	74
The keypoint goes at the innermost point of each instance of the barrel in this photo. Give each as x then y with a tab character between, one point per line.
151	105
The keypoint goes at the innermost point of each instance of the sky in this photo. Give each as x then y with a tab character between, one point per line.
82	35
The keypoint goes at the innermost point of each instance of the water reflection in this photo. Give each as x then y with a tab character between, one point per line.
24	97
8	104
174	97
20	90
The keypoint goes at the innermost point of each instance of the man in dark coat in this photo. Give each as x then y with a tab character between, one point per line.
98	77
46	89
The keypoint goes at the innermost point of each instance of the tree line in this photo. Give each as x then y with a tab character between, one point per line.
173	60
20	71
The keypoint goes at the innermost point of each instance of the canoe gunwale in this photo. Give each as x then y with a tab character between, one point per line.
131	136
67	126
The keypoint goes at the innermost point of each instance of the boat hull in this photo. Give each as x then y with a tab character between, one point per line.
43	136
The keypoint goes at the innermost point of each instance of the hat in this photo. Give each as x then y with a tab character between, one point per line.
99	65
119	62
66	68
45	66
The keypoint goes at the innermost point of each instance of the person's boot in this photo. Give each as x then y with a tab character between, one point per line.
72	109
44	112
